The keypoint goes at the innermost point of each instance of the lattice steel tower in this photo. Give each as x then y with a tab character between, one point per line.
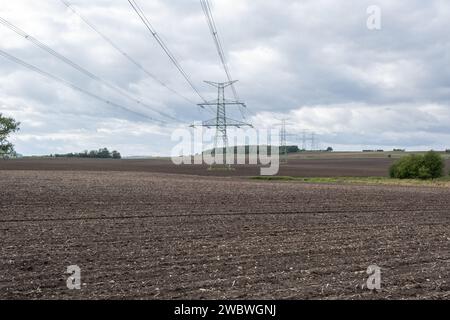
221	122
284	138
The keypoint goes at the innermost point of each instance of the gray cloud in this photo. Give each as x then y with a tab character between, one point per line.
312	60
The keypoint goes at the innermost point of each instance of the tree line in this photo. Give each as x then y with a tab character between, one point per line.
103	153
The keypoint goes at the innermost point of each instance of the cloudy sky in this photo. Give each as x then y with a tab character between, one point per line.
313	61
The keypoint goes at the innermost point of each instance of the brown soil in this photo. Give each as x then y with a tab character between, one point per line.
323	167
156	236
295	167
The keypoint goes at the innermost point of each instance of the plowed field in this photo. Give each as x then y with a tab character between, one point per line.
146	235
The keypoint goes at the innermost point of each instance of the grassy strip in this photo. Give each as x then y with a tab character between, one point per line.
221	168
441	182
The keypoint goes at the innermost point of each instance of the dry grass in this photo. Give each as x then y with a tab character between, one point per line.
442	182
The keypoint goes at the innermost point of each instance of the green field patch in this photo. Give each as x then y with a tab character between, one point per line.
441	182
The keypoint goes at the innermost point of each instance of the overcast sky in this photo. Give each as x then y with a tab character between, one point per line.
312	61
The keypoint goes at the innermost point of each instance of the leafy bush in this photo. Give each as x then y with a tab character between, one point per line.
428	166
434	162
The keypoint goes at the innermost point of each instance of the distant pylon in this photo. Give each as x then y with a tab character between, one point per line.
221	122
283	139
309	139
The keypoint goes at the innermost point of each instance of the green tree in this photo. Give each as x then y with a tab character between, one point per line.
7	126
104	153
116	155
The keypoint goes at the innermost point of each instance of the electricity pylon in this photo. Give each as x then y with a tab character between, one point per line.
311	139
221	122
283	138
